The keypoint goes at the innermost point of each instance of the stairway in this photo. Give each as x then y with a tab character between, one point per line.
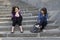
29	19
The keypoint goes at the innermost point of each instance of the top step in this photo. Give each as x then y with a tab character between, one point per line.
1	0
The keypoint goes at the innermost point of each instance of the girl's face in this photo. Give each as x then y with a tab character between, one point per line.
16	10
42	12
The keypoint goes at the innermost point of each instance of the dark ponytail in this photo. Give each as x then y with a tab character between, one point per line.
13	8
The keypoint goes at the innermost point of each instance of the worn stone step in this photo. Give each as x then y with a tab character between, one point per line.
27	27
30	38
23	14
24	18
9	8
7	4
50	33
5	7
23	22
5	10
9	14
26	22
17	34
21	7
9	11
8	28
1	1
27	17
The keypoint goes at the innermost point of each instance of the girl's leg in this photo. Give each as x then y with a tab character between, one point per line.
21	29
12	30
41	29
20	24
13	26
43	26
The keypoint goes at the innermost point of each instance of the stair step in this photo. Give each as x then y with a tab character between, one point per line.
24	15
50	33
1	0
26	27
25	19
27	16
9	19
9	11
26	22
30	38
7	15
5	7
17	34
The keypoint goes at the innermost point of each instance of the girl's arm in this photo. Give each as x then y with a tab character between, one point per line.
47	16
20	12
12	15
38	19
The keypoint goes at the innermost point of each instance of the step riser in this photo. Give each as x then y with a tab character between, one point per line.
10	15
24	16
23	19
50	34
26	28
24	23
18	35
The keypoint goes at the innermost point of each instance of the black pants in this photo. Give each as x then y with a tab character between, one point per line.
17	20
43	25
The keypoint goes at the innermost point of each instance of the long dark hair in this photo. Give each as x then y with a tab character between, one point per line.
45	10
13	9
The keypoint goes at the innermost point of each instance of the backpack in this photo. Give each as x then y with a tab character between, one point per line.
35	28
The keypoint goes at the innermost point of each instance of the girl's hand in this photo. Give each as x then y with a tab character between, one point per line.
17	15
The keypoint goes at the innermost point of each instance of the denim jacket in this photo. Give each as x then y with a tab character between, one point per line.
42	18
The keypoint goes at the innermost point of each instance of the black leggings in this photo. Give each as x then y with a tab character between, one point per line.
17	20
43	25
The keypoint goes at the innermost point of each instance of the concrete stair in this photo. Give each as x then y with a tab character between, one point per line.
51	33
17	34
5	16
30	38
29	19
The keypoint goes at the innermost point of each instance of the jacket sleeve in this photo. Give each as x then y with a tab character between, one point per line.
47	16
20	13
38	19
12	15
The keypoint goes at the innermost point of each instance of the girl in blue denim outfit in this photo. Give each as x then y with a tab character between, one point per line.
42	18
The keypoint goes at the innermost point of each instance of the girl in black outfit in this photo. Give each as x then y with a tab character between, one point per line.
16	18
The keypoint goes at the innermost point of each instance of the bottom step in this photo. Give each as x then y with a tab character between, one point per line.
28	38
17	34
50	33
